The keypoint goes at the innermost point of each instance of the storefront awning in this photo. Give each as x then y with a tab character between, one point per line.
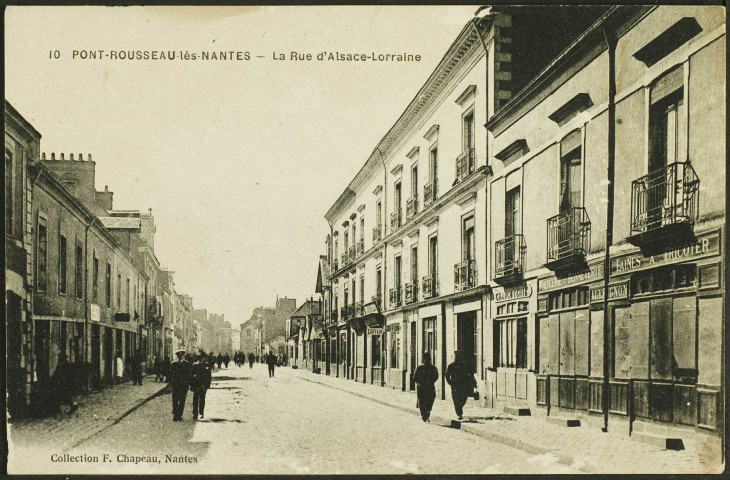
358	324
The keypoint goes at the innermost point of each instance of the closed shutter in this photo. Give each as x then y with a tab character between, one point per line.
668	84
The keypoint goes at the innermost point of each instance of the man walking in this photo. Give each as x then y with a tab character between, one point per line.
200	383
137	368
251	358
462	381
179	378
271	362
63	383
425	377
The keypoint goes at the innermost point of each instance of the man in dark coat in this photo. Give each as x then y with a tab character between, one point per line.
179	378
137	368
425	377
63	383
461	378
271	362
251	358
166	369
200	383
158	369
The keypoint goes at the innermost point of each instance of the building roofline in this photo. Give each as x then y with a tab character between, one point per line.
12	113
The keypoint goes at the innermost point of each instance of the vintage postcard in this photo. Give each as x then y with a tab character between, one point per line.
365	239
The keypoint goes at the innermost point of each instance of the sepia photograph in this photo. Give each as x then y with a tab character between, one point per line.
413	239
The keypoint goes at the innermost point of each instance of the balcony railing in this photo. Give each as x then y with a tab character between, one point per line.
509	256
464	165
429	287
465	275
395	219
358	309
377	234
396	299
351	311
361	246
664	204
569	237
411	292
411	207
430	192
344	260
351	253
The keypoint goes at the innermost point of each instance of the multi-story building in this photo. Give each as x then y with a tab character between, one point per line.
304	336
618	143
584	226
22	145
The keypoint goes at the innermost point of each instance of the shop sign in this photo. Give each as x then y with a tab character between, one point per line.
95	313
707	245
513	293
594	272
375	331
620	291
394	327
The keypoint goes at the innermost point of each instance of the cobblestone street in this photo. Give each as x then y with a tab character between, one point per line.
300	423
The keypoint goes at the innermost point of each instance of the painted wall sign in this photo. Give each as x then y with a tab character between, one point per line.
505	294
594	272
618	291
705	246
395	327
95	313
375	331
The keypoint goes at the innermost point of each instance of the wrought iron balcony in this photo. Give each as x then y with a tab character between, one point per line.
395	219
664	206
361	246
396	299
430	192
411	207
351	253
377	234
412	292
358	309
568	239
509	256
465	275
429	287
464	165
351	311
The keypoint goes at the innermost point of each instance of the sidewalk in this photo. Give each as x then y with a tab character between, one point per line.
97	411
584	448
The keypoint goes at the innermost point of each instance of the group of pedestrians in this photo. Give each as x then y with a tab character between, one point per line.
459	376
195	377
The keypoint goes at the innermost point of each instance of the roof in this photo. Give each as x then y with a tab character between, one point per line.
120	223
323	273
308	308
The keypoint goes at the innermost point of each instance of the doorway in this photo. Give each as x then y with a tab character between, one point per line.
108	355
413	354
466	342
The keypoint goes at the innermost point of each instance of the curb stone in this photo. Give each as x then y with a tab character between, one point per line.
563	459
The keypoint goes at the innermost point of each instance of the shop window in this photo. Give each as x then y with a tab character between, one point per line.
575	297
429	336
510	345
664	279
394	350
375	351
62	265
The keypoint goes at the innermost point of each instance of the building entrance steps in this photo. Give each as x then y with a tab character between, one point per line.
588	449
96	412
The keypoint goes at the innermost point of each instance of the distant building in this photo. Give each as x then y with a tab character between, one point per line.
265	324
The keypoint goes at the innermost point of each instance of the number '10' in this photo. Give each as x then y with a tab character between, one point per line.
54	54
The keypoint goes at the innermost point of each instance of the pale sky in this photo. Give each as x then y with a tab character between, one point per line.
239	160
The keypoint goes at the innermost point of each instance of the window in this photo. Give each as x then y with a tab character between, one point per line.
42	256
362	229
337	250
429	336
468	247
467	130
397	200
375	351
347	243
510	343
362	289
569	298
664	279
397	277
95	284
667	121
62	265
108	285
119	291
378	214
354	232
512	221
414	265
126	297
379	283
79	270
433	164
570	171
414	181
8	192
354	291
433	257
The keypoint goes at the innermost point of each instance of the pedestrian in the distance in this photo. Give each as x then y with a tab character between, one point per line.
165	371
461	378
200	383
425	378
219	360
226	359
271	362
158	369
63	384
119	374
137	367
251	358
180	376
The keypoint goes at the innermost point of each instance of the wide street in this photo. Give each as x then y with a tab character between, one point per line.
286	425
